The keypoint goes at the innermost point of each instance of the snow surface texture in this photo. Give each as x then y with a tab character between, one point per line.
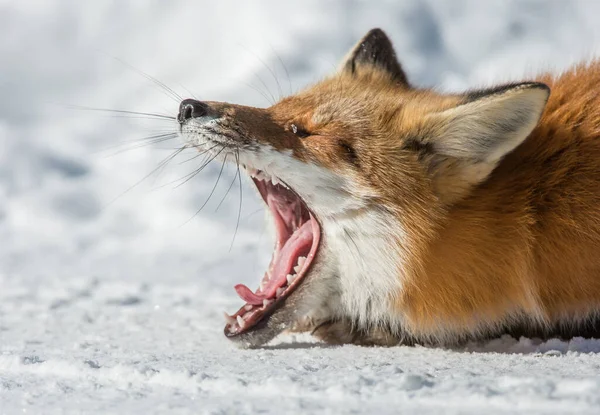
114	306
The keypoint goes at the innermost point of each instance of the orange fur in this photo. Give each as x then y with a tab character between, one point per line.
528	239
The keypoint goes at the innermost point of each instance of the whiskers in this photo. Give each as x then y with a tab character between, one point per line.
139	143
237	223
157	169
169	131
165	129
125	113
169	92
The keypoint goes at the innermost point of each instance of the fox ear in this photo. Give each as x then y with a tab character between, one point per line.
465	143
491	123
375	50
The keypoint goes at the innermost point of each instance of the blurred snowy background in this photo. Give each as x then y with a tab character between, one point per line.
111	299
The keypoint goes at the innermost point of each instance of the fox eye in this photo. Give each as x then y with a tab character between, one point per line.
299	131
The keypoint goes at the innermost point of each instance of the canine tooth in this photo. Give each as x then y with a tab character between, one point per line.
278	292
241	321
260	175
251	171
290	278
275	180
248	307
297	269
267	303
301	261
228	319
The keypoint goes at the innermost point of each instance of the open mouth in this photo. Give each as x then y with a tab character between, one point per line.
297	240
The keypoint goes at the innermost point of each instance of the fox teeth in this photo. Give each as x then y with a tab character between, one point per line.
260	175
278	292
267	303
228	319
297	269
290	278
275	180
248	307
301	261
251	171
241	321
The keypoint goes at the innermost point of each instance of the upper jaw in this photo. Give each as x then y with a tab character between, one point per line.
326	192
263	175
205	132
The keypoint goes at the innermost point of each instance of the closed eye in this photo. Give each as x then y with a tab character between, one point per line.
349	152
299	131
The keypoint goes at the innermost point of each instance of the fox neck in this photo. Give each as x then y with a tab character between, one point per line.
365	250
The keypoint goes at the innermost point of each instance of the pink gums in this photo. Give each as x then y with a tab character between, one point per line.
298	234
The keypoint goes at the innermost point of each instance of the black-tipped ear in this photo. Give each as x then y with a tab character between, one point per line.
375	49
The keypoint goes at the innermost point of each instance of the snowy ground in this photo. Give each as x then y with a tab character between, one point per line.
114	306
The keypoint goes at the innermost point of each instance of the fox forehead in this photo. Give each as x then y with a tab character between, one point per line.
340	97
369	104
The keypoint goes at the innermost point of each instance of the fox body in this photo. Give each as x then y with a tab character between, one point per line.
435	218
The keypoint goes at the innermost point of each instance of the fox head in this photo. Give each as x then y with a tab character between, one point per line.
372	163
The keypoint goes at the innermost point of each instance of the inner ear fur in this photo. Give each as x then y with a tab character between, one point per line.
465	143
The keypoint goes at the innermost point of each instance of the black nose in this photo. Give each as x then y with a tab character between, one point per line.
191	108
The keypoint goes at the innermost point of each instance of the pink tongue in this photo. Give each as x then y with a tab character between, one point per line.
299	243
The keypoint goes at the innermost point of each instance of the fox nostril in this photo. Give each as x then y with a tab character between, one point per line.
191	108
186	114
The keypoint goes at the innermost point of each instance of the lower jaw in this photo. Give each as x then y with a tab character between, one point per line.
274	322
290	310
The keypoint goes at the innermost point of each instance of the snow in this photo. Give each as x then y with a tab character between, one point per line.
111	299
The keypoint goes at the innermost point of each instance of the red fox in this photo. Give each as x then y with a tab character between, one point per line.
404	215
